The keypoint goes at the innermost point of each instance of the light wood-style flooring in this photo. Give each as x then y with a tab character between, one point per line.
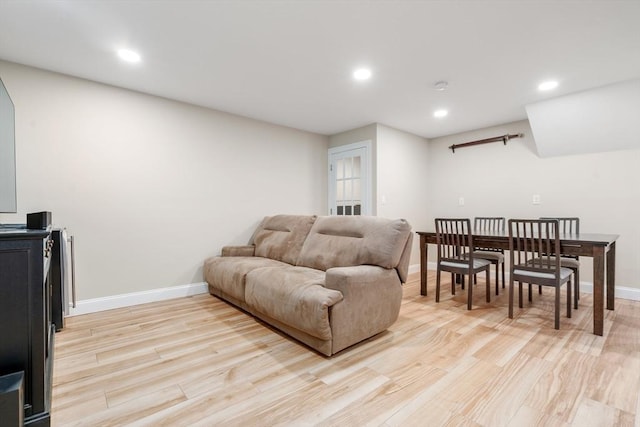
200	361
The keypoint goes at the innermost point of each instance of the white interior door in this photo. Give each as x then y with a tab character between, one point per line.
350	179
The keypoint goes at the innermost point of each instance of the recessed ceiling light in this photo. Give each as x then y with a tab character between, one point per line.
548	85
362	74
440	113
129	55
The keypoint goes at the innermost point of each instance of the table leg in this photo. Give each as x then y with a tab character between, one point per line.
598	289
423	265
611	276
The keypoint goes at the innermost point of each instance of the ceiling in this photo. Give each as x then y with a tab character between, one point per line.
291	62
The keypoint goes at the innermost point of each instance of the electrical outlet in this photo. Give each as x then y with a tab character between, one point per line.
536	199
461	201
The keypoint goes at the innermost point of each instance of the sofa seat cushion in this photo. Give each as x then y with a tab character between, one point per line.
228	274
295	296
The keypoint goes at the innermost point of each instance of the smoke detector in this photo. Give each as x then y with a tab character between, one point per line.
440	86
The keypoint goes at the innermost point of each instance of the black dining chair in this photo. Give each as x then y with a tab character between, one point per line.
532	245
493	255
455	255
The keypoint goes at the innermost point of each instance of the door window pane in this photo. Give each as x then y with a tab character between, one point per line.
357	195
348	169
348	190
356	167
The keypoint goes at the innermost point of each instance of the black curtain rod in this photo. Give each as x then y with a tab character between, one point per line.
503	138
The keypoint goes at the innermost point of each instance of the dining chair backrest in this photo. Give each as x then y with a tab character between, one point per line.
532	243
454	239
489	223
567	225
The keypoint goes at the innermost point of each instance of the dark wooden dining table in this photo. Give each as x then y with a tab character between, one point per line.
600	247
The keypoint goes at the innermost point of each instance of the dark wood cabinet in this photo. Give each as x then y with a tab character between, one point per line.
57	274
12	399
26	329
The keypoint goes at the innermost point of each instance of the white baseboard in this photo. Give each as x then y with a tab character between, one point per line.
125	300
415	268
623	292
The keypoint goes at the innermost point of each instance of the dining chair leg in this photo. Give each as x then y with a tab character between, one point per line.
503	276
576	293
497	287
530	294
520	294
510	298
470	290
557	309
488	275
569	299
438	286
453	284
577	284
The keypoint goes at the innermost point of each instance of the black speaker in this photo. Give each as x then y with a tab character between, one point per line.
12	399
39	220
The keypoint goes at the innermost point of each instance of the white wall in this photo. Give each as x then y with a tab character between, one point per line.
496	180
403	181
151	187
365	133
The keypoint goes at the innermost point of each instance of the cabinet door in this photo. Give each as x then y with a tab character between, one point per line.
23	317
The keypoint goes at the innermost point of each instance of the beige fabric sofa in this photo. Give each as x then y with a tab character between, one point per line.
329	282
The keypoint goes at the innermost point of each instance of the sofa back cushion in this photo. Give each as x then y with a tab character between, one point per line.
280	237
344	241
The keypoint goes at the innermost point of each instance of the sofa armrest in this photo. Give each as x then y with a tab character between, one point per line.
244	250
372	299
358	279
405	258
